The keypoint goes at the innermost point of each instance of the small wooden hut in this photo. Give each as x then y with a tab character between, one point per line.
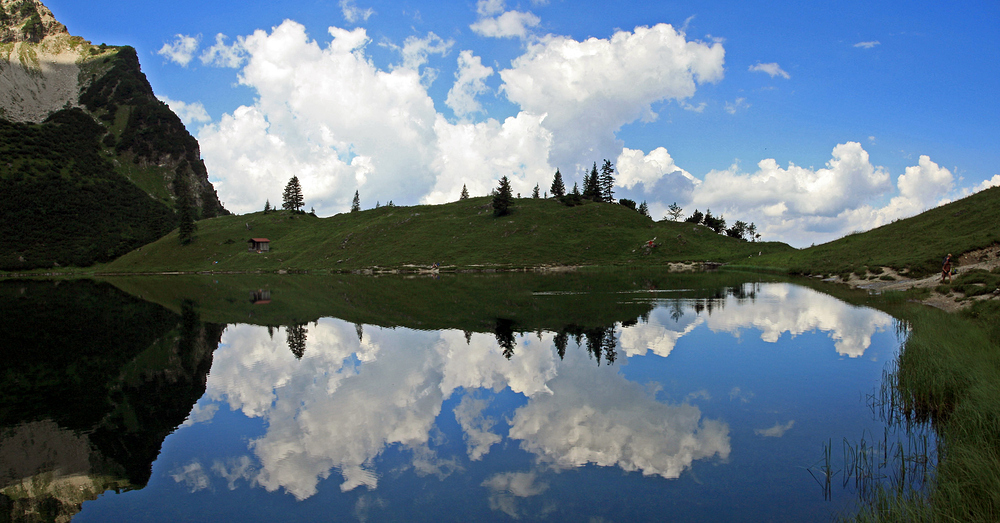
258	245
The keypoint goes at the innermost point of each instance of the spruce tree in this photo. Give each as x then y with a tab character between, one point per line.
185	210
644	209
502	198
607	181
465	193
267	206
534	193
696	217
356	204
592	185
558	189
296	338
187	225
292	198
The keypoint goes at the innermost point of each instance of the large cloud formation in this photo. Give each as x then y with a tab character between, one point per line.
332	117
328	114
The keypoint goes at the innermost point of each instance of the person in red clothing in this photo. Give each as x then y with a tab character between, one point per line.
946	269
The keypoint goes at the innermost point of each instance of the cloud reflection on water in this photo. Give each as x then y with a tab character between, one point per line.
776	309
347	400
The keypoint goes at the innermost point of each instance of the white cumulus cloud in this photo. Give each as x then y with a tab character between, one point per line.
416	50
470	82
986	184
737	105
848	179
327	114
772	69
495	22
224	55
189	113
181	50
634	168
590	89
353	13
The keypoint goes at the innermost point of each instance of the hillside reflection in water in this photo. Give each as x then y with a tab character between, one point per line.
703	408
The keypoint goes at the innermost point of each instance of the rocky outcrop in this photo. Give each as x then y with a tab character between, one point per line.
27	21
45	72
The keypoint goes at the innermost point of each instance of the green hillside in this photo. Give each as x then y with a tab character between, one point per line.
101	174
459	235
915	245
63	204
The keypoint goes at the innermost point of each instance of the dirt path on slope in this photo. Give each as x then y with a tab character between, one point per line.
987	259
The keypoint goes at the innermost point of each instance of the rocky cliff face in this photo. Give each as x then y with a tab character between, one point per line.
39	62
46	73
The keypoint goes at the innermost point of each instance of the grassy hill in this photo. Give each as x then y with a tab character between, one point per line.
915	245
459	235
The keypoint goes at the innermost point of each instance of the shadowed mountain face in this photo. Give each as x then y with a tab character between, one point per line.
92	164
93	381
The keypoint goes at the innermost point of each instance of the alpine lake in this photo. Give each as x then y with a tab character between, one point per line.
592	395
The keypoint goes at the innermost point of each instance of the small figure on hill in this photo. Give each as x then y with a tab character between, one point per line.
946	269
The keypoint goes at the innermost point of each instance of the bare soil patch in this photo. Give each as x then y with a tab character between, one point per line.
987	258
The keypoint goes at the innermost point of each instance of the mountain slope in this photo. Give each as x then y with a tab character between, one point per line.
132	164
914	245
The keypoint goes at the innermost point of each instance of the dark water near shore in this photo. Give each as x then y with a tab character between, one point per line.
700	402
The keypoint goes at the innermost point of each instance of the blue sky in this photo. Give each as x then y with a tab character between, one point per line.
812	122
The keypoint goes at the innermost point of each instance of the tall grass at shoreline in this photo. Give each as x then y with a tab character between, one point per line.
949	375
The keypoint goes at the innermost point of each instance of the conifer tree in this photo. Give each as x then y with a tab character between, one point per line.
502	198
292	198
185	210
558	189
534	193
592	185
187	225
644	209
356	204
607	181
696	217
267	206
465	193
296	338
675	212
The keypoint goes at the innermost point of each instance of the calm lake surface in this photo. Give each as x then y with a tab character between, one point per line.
715	401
